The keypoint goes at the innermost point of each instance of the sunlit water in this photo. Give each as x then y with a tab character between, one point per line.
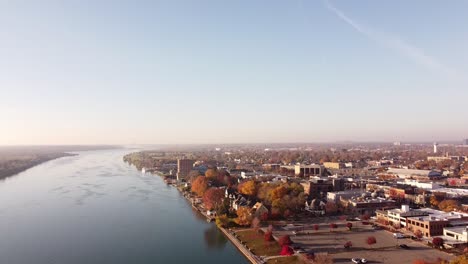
94	208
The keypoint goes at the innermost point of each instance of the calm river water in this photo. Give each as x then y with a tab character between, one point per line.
94	208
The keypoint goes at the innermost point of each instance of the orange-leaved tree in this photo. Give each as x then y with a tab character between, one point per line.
248	188
244	216
213	198
200	185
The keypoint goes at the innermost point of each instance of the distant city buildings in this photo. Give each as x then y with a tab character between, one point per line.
447	157
184	166
465	142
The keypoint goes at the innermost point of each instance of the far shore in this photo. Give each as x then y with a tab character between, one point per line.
16	159
12	167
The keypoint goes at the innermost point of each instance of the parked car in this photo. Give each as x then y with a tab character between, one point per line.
404	246
359	260
398	235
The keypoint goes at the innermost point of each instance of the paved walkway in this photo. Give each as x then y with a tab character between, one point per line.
249	255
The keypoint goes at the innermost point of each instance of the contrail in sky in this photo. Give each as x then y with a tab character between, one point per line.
394	42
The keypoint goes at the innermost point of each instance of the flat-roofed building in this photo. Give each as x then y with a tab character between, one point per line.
458	232
399	215
434	224
367	205
336	196
415	174
184	166
302	170
317	188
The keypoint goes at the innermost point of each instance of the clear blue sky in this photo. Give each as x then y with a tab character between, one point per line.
119	72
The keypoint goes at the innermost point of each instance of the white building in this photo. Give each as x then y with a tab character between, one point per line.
336	196
421	185
409	173
247	175
457	234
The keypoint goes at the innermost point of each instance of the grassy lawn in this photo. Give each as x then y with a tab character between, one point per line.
285	260
257	244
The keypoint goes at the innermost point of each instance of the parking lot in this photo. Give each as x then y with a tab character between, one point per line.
386	250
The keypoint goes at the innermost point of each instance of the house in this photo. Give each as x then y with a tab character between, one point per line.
239	202
315	206
259	209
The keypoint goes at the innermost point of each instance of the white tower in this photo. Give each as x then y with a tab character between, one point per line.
435	147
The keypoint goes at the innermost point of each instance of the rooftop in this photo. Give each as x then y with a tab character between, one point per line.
457	229
440	216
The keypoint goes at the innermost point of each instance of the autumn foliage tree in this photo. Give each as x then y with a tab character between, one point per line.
436	198
316	227
281	197
211	173
463	259
286	251
284	240
248	188
244	216
349	225
449	205
268	237
371	241
222	220
437	242
348	244
212	198
333	226
200	185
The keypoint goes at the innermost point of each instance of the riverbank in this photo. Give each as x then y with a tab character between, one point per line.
16	159
227	233
12	165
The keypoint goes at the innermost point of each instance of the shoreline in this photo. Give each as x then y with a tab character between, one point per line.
31	164
252	258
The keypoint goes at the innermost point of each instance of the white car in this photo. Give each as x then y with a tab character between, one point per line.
398	235
359	260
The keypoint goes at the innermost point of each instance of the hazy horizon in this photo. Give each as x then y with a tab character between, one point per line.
180	72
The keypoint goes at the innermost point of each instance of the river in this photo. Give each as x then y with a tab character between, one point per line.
94	208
